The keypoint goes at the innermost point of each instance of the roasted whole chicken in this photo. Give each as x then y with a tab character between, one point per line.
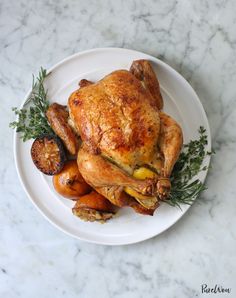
129	145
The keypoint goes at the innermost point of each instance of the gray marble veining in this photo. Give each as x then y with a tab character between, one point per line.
198	39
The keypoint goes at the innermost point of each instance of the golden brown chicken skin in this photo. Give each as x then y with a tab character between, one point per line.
84	83
115	118
98	171
57	116
118	197
170	142
144	72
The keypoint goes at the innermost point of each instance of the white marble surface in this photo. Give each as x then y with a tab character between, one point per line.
197	38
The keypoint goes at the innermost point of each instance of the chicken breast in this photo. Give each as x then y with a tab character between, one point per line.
115	118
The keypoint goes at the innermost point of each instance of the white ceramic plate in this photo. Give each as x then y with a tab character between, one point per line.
180	101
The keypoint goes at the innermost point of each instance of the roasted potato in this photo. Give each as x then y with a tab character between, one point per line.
69	182
94	207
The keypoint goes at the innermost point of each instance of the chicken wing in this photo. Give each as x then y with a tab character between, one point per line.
144	72
57	116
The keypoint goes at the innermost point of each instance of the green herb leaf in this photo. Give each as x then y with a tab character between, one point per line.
184	190
31	119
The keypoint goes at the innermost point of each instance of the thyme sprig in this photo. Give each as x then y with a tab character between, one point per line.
184	189
31	119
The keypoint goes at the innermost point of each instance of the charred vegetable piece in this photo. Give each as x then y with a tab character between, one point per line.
48	154
94	207
69	182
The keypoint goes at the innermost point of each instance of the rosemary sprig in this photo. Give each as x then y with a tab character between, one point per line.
184	190
31	119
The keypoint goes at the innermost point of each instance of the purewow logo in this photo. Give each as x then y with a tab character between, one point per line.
216	289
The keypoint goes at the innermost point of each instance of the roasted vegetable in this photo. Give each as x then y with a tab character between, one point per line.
69	182
48	154
94	207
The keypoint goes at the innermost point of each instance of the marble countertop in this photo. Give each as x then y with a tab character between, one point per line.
198	39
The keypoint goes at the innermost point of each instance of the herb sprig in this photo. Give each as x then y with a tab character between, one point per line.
189	164
31	119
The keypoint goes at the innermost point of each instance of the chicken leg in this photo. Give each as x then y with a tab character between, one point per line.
99	172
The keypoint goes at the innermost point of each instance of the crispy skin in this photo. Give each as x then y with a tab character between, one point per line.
110	180
84	83
114	194
143	71
170	143
115	117
118	197
99	172
57	116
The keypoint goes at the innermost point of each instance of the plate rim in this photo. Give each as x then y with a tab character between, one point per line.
15	149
